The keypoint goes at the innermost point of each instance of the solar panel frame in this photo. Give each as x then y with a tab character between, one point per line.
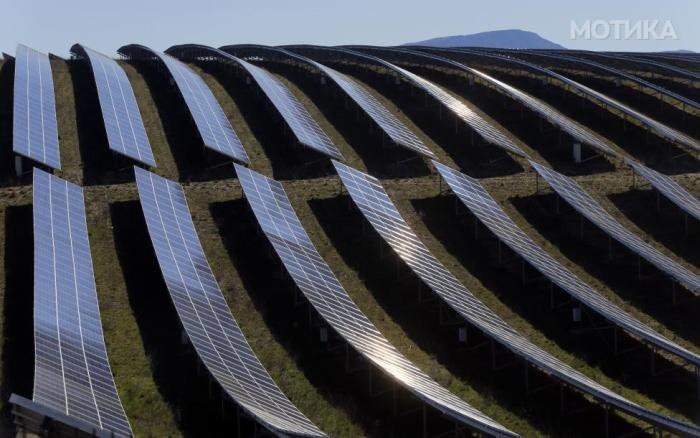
582	202
71	372
212	124
376	206
484	129
34	125
657	127
315	279
477	199
304	127
123	124
204	313
387	122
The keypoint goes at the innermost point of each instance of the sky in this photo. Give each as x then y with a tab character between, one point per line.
54	26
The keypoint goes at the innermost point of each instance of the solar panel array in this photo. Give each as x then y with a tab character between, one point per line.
549	113
34	130
582	202
212	124
668	187
385	119
619	73
636	60
302	124
488	132
475	197
379	210
317	282
204	313
659	128
122	119
71	374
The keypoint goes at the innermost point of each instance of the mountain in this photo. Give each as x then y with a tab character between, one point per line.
510	39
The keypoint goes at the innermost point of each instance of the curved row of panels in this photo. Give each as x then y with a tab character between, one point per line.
204	313
72	373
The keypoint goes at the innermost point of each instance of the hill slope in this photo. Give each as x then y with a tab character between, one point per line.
510	38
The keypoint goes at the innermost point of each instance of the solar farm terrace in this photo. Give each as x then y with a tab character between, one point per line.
310	241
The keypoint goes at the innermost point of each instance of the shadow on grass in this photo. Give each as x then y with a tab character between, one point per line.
663	220
290	159
656	152
650	105
589	248
7	80
295	326
502	271
18	305
181	379
101	165
437	334
194	162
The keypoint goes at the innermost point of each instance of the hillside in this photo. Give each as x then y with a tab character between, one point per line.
507	39
164	391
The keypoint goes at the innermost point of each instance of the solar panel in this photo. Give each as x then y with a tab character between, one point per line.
71	374
582	202
619	73
204	313
488	132
659	128
302	124
385	119
547	112
376	206
34	130
212	124
317	282
668	187
475	197
120	113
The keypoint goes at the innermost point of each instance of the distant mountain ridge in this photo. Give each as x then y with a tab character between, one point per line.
507	39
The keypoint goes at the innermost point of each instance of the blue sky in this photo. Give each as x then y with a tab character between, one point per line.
53	26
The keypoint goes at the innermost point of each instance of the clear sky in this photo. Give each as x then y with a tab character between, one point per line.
54	25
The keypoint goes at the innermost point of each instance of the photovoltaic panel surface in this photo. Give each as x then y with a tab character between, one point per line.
668	187
659	128
300	122
582	202
204	313
487	131
549	113
120	113
475	197
385	119
71	373
376	206
34	131
212	124
317	282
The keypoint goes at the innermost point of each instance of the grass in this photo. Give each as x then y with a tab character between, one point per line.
151	413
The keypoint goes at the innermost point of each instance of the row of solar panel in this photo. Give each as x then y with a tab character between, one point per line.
124	132
65	381
273	242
